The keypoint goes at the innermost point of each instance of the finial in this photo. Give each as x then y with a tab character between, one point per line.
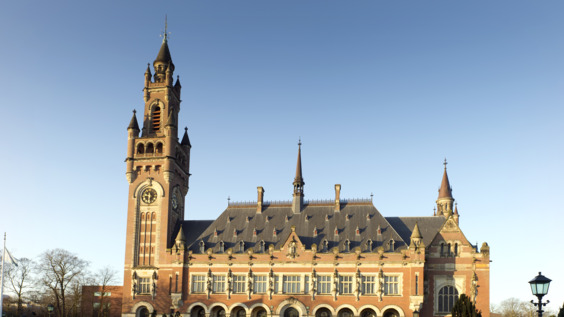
186	129
228	199
299	141
134	111
165	33
445	163
371	196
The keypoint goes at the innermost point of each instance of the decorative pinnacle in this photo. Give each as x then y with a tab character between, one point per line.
445	163
300	141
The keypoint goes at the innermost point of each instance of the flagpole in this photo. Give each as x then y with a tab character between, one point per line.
2	278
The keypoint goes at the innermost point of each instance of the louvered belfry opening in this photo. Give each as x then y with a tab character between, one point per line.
156	119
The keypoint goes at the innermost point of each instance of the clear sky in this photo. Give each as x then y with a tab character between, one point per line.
379	91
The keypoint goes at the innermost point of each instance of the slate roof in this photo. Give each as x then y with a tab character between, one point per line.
193	228
239	223
428	226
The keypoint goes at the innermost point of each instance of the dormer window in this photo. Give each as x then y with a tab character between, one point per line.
347	246
241	246
221	247
391	245
262	246
369	246
202	247
325	245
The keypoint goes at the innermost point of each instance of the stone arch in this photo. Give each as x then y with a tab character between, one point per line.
156	185
139	305
374	308
197	304
390	308
323	312
198	311
235	308
218	310
256	308
351	307
329	307
291	302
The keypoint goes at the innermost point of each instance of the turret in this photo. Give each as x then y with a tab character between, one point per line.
416	236
445	201
132	134
163	62
298	197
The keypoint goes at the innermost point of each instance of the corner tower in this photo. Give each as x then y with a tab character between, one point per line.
157	170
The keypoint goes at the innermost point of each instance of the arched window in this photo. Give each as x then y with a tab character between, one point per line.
447	297
345	312
241	313
368	313
156	119
347	246
241	246
455	249
448	250
202	247
262	245
140	148
291	312
221	246
391	245
442	249
325	245
369	246
150	148
159	148
323	312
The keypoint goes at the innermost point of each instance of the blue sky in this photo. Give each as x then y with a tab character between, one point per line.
379	91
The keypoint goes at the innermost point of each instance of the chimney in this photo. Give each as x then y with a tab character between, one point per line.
260	192
337	197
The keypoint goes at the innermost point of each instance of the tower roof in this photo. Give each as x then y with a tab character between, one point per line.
133	123
416	234
445	191
164	53
298	178
180	236
185	139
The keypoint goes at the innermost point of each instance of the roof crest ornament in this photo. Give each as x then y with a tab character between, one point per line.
165	33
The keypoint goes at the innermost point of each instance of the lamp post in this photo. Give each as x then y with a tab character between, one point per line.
539	287
50	308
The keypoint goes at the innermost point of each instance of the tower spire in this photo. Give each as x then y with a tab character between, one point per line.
445	200
163	62
298	200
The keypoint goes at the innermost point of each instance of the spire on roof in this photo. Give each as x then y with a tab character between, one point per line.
445	191
180	236
298	178
185	140
133	123
298	200
163	62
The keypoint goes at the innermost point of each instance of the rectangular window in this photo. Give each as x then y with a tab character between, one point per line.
144	285
198	283
259	285
324	284
276	284
96	305
218	285
345	284
98	294
306	284
369	285
291	284
239	283
391	285
416	284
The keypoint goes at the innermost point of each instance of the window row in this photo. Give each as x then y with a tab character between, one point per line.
300	284
261	247
150	148
449	249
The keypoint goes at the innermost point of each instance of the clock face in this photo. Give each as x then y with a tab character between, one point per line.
174	201
149	196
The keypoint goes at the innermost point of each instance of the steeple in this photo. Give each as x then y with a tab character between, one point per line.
133	123
163	62
445	200
298	201
185	140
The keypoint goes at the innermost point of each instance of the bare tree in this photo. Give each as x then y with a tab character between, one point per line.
20	280
61	271
104	278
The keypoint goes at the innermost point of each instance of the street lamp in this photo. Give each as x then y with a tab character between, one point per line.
539	287
50	308
416	313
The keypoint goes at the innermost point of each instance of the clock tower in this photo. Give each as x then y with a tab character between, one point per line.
157	170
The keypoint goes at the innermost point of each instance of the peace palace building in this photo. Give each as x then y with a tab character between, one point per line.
333	258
